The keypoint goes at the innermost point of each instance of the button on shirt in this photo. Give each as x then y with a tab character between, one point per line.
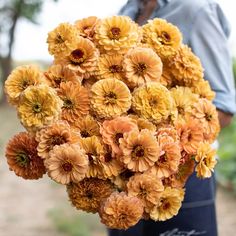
206	30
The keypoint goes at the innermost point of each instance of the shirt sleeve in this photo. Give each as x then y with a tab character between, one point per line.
130	9
208	40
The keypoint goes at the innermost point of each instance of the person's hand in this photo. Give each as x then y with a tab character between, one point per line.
147	8
224	118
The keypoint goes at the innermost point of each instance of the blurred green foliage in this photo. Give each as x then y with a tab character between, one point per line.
71	222
234	69
226	168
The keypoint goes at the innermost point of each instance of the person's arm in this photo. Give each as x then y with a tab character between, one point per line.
148	6
209	41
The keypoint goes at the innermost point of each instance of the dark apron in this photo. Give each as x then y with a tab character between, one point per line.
197	215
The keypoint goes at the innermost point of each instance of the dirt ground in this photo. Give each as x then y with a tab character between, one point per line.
24	205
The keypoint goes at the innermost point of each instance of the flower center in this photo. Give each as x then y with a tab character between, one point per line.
165	38
162	158
57	140
77	57
117	137
37	108
138	151
115	32
89	194
165	205
115	69
107	157
68	104
58	80
22	159
141	67
110	98
59	39
84	134
180	110
153	101
67	167
25	84
208	117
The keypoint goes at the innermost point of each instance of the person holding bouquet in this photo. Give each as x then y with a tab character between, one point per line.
206	30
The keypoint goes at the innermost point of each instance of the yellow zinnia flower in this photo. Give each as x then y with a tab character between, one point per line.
110	98
164	37
186	67
56	74
120	211
86	26
142	65
20	79
183	99
111	67
117	34
203	89
206	160
140	150
169	204
82	58
39	106
75	101
152	101
62	40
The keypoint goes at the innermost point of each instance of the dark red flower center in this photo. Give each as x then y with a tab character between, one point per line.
67	167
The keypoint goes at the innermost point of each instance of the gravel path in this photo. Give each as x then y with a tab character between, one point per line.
24	205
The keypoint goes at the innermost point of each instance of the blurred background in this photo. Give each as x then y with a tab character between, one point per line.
34	208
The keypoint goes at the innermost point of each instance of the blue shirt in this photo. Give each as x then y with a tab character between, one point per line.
206	30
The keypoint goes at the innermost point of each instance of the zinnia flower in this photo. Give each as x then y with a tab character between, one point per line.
206	160
143	123
110	66
75	101
22	157
82	58
21	78
88	194
207	114
164	37
142	65
110	98
183	100
168	161
152	101
111	166
113	130
57	133
117	34
169	204
140	150
67	163
39	106
185	169
168	131
62	40
191	134
87	127
120	211
146	187
186	67
94	150
56	74
86	26
203	89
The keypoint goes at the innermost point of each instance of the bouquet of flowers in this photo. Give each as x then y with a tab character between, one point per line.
122	118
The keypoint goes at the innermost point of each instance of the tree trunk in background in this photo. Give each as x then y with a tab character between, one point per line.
6	62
